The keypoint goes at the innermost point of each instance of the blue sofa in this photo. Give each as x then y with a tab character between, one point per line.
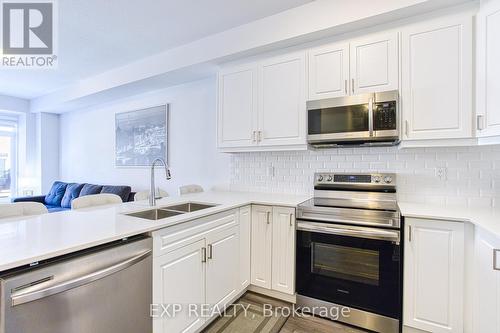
62	194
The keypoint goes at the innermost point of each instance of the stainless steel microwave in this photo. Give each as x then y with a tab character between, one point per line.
366	120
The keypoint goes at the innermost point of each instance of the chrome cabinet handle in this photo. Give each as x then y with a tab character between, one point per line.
345	86
291	220
352	82
496	252
254	136
203	254
480	122
409	233
268	217
407	128
29	296
209	251
259	136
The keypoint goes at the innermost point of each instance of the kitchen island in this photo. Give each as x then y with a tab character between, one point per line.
27	240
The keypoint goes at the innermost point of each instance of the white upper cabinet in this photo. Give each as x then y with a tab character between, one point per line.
365	65
434	276
437	79
262	105
486	283
374	63
329	71
282	115
488	69
237	109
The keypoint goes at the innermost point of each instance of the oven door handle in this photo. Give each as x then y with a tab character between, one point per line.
359	232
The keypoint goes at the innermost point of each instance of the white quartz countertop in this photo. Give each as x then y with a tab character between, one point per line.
485	218
25	240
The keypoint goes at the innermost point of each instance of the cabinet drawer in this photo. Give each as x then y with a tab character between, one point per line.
172	238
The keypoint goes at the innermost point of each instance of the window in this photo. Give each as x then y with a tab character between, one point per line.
8	156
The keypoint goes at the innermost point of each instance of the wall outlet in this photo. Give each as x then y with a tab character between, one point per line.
442	173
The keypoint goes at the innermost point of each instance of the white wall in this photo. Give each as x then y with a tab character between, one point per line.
48	148
473	173
87	141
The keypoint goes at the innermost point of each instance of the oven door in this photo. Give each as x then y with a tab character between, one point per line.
352	266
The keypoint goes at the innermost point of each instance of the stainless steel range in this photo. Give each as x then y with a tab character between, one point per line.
348	250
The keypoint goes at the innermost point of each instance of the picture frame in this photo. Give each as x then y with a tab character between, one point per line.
141	136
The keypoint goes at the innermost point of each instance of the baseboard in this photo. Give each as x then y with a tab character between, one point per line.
274	294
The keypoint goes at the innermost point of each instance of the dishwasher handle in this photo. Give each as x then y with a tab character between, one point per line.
25	297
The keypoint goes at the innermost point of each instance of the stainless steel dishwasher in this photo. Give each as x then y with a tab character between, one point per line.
107	289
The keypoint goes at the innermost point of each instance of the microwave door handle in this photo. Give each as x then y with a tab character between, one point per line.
370	116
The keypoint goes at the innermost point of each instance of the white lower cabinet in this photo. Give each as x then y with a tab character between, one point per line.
273	248
195	267
486	286
214	260
222	267
262	231
434	276
283	254
245	223
179	278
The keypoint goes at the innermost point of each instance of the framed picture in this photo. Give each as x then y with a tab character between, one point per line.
141	136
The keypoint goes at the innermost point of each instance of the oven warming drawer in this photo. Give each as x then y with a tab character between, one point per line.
360	318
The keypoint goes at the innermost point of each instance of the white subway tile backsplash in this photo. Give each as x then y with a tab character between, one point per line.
472	173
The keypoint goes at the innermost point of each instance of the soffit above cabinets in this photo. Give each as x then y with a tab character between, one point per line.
200	58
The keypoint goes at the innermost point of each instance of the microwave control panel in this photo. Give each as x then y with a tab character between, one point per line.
384	116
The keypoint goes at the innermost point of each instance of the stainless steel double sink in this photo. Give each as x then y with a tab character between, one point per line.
169	211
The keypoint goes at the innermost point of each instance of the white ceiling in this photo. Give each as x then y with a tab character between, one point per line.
98	35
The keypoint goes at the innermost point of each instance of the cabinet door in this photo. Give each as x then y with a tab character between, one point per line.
488	68
222	266
245	220
283	256
437	79
434	276
329	71
282	115
179	278
487	283
261	246
237	107
374	63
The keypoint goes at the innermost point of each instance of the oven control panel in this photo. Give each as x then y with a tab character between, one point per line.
361	179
